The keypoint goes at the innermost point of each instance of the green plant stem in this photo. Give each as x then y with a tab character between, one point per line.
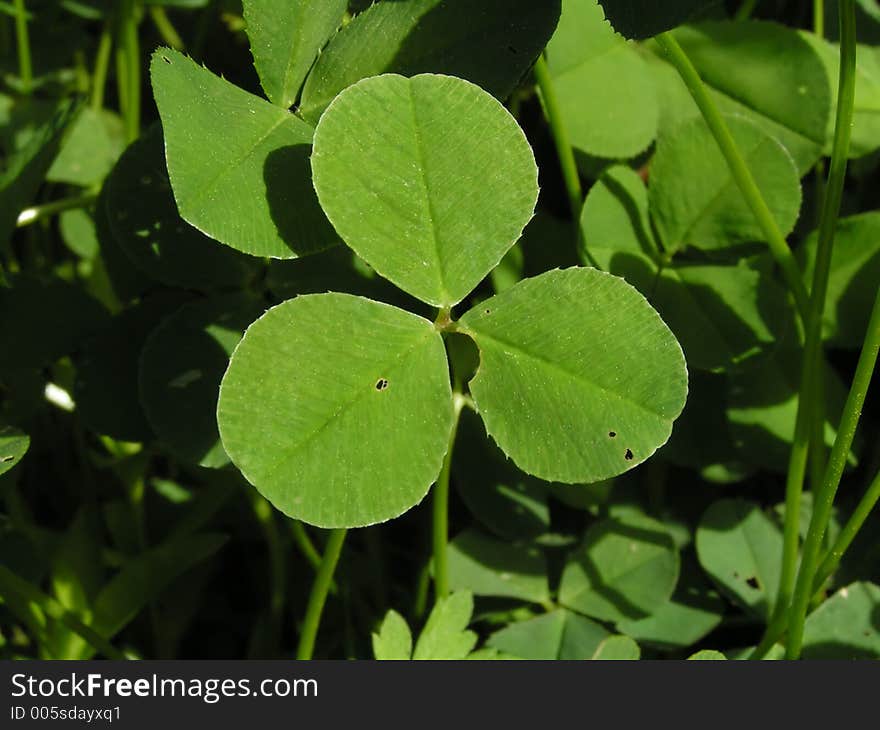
810	420
318	595
25	64
746	9
277	567
305	544
739	170
560	138
102	64
11	585
128	67
824	499
41	212
848	533
440	508
819	18
166	28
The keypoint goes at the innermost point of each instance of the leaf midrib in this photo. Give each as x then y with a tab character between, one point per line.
360	394
554	365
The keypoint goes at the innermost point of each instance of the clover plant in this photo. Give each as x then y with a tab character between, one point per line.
439	329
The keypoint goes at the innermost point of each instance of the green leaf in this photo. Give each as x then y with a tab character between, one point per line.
691	614
739	546
106	387
855	271
488	567
866	120
145	577
780	85
13	446
430	180
445	635
707	655
563	361
619	648
95	141
60	313
24	171
181	367
336	379
510	503
605	90
238	164
615	223
625	568
393	640
720	314
696	202
492	43
762	399
845	626
77	229
145	223
647	18
560	634
285	39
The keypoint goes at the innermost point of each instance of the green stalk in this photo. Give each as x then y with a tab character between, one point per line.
40	212
277	568
560	138
102	64
824	499
305	544
745	10
128	67
819	18
318	595
166	28
739	170
441	508
810	420
848	533
25	64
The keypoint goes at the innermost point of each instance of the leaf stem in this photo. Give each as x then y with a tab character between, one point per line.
25	64
746	9
823	501
819	18
560	138
810	420
277	567
166	28
848	533
128	67
46	210
318	595
102	63
440	507
739	170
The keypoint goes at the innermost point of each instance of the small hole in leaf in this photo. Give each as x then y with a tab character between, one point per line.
612	434
381	384
488	311
166	59
753	583
628	455
4	459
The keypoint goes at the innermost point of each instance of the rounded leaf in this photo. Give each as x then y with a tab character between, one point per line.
626	568
429	179
144	221
338	409
579	378
13	446
181	367
694	198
